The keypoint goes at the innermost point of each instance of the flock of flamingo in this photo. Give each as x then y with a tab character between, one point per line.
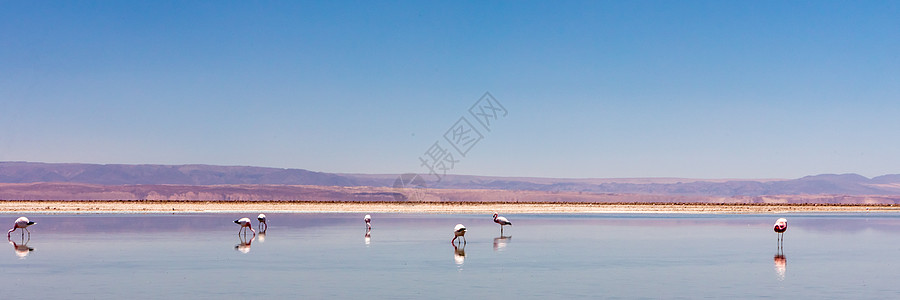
459	231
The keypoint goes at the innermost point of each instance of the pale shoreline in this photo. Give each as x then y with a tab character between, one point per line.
121	207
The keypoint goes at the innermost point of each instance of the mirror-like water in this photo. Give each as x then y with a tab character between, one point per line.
410	256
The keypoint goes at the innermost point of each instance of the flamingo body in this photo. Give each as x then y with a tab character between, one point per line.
21	222
368	220
245	223
262	222
781	225
459	231
502	221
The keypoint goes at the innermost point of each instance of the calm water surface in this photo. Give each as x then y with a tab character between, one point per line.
317	256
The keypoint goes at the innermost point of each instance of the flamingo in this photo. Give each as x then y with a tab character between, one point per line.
780	228
459	231
262	221
21	222
502	221
245	223
368	220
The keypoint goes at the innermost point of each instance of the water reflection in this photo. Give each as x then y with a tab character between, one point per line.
244	245
261	236
500	242
22	249
459	254
780	265
368	237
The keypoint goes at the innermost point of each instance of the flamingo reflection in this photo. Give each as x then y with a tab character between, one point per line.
261	236
459	254
368	237
501	242
244	245
22	249
21	222
780	265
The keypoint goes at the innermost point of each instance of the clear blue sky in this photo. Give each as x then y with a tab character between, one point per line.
715	89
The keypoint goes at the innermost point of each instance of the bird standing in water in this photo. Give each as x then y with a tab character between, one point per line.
262	222
780	228
21	222
459	231
368	220
502	221
245	223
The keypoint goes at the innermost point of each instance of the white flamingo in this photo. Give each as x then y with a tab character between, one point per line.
502	221
21	222
245	223
459	231
368	220
780	228
262	221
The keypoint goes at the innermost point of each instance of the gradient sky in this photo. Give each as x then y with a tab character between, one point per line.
717	89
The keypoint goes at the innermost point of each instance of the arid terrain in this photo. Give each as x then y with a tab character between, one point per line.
85	187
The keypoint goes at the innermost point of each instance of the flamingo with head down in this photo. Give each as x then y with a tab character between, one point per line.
459	231
21	222
245	223
262	222
781	227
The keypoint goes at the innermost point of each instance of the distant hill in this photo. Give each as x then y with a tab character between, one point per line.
28	172
208	175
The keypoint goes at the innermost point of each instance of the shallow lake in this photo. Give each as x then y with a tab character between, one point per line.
317	256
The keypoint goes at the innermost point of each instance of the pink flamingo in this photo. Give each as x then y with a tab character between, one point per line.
780	228
23	223
368	220
263	226
502	221
459	231
245	223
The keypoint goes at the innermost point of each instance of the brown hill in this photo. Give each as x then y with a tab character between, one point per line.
207	175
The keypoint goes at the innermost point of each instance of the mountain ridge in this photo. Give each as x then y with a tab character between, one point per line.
207	175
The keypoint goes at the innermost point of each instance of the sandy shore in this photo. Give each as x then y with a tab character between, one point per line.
416	207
